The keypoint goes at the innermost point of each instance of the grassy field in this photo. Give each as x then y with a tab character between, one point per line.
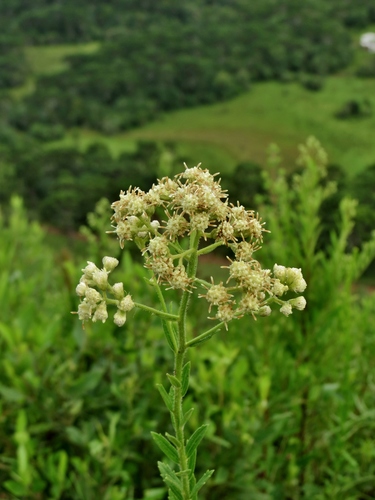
49	60
223	134
282	113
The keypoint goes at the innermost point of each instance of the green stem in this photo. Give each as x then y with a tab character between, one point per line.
164	307
205	336
209	248
178	365
162	314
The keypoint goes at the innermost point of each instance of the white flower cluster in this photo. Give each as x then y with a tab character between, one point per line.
254	288
193	202
94	288
194	205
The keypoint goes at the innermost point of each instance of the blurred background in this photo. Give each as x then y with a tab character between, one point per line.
97	96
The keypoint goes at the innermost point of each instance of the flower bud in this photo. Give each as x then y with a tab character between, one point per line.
109	263
299	303
278	288
118	290
286	309
119	318
101	313
126	304
93	296
81	289
100	279
84	311
264	311
89	270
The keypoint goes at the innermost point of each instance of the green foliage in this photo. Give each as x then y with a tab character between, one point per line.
361	189
355	108
175	56
61	185
290	406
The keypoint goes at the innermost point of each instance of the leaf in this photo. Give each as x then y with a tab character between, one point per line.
6	334
11	395
185	472
166	447
187	415
15	488
86	382
195	439
185	378
203	480
173	440
168	332
165	396
202	338
172	496
171	480
174	380
191	462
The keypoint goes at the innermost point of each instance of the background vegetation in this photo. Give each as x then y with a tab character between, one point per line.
97	96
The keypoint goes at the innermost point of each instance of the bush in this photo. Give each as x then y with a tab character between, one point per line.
355	108
311	82
290	405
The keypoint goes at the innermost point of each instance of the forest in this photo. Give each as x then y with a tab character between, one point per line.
100	97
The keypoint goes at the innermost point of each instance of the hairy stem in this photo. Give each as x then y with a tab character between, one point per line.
178	365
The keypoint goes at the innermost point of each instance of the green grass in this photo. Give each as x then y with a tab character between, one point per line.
284	114
223	134
82	138
49	60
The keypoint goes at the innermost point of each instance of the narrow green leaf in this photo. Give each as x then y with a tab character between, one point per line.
201	339
166	447
174	380
185	472
168	332
185	378
195	439
172	496
187	415
164	469
203	480
173	440
205	335
165	396
171	480
191	463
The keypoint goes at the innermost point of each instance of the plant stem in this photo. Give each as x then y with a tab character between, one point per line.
162	314
178	365
205	336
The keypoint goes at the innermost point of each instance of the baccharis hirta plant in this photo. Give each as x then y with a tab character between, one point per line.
173	224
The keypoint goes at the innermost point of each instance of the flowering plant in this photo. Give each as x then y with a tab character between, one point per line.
173	224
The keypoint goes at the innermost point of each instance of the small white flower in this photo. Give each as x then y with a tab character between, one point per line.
126	304
279	271
89	270
286	309
84	311
81	289
278	288
119	318
155	224
264	311
299	303
118	290
101	313
100	278
109	263
93	296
